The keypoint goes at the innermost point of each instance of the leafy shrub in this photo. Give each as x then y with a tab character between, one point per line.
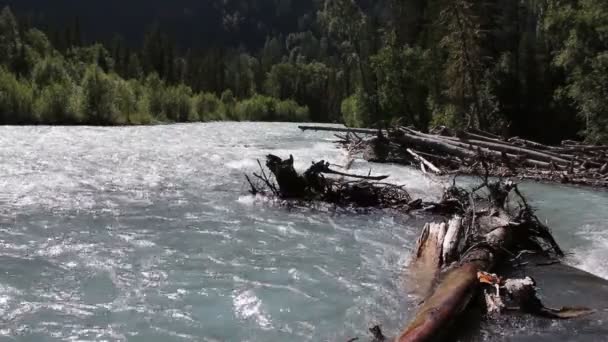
256	108
16	99
154	96
55	104
264	108
177	104
289	110
352	111
208	107
229	102
49	71
98	102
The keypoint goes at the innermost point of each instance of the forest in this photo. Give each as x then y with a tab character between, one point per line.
537	69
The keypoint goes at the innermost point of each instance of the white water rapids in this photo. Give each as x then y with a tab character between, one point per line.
148	234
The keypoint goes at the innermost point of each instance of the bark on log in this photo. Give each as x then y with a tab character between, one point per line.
425	162
454	291
424	267
466	152
461	150
501	231
452	239
546	157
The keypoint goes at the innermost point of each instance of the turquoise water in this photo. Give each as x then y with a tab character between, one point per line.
148	234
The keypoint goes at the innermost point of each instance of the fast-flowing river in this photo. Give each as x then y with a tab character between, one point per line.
148	234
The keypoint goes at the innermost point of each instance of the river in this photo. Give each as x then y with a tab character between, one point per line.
148	234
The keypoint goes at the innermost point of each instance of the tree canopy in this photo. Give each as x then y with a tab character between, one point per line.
532	68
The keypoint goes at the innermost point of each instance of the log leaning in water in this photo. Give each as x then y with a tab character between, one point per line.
494	232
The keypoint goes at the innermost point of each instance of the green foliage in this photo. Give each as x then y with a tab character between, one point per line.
229	103
155	95
16	99
10	39
134	68
126	101
49	71
581	30
304	83
256	108
289	110
209	107
403	82
98	101
38	43
535	69
264	108
355	110
177	104
80	58
56	103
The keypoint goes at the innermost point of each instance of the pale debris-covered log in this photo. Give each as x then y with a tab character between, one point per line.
451	240
427	258
456	286
424	162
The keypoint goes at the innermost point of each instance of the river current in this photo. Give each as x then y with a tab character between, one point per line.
148	234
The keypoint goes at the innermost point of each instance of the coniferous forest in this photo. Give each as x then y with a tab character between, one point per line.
533	68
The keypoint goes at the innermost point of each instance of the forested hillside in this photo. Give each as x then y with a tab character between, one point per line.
533	68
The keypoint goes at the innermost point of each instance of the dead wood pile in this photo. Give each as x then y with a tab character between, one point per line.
468	152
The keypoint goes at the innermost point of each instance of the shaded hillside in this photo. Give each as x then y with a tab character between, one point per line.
190	22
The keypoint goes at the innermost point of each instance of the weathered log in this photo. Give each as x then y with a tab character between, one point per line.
455	290
502	147
450	298
501	232
424	267
484	133
452	239
425	162
461	150
531	144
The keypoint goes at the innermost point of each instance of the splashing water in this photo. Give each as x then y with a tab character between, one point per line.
147	234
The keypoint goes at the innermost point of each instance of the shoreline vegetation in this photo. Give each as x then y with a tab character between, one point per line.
536	70
81	86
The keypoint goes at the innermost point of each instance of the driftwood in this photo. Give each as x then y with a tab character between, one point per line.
459	261
467	152
315	184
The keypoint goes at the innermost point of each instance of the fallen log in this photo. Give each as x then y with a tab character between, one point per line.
472	152
461	149
425	162
495	146
494	232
